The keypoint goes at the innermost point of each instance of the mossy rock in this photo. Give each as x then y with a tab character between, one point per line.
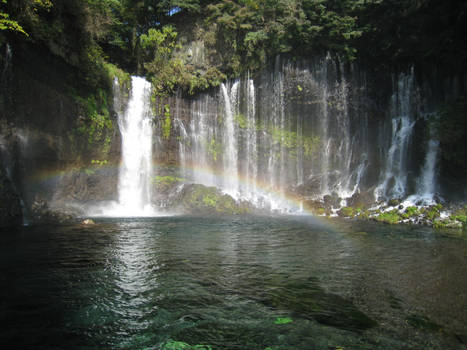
200	199
411	212
394	202
389	217
433	212
349	212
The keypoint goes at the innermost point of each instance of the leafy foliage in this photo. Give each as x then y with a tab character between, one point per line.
95	124
249	32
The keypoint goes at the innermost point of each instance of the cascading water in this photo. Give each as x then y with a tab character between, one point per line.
427	183
230	140
7	59
247	135
134	192
394	181
302	130
251	158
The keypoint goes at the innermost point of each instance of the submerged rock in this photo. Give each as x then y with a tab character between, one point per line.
310	301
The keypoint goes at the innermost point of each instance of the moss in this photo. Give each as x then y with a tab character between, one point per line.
410	212
349	212
199	198
283	320
458	220
214	148
462	219
291	140
241	121
123	77
433	212
166	181
167	123
389	217
365	214
94	125
450	223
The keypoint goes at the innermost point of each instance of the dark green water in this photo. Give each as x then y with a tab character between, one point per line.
232	283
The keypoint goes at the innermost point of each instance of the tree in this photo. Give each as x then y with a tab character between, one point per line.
6	23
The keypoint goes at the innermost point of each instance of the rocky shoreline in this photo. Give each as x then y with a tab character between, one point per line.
175	195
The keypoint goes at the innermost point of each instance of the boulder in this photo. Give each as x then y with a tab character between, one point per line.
200	199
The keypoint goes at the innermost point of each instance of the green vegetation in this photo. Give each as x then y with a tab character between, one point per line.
169	72
202	199
214	148
350	212
458	220
167	123
389	217
166	181
99	162
241	121
123	77
95	124
179	345
149	38
291	140
6	23
433	212
247	33
283	320
410	212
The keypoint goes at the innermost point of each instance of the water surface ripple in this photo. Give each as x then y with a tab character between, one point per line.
232	283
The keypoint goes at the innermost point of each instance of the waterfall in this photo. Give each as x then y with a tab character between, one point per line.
394	179
230	140
134	185
426	185
302	132
8	55
203	142
251	157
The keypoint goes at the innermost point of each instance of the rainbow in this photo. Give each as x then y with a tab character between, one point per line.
263	188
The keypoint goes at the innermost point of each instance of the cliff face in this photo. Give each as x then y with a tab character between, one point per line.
49	141
313	130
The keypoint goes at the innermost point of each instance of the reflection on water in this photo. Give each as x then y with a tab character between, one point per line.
232	283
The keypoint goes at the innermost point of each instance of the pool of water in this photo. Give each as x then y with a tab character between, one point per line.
232	283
